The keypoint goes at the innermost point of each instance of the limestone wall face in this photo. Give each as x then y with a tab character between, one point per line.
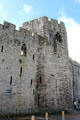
36	80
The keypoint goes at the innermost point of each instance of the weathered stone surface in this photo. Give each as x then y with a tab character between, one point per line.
74	68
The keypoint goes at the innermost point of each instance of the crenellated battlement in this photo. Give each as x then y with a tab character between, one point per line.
9	30
37	27
12	27
43	26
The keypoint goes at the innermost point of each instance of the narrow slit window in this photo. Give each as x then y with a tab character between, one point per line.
40	79
11	80
33	56
25	51
31	81
2	48
20	71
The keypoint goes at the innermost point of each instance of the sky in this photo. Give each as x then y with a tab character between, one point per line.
68	11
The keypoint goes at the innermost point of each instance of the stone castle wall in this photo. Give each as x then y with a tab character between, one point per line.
74	68
38	80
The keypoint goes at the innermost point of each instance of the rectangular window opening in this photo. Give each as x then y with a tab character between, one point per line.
20	71
23	50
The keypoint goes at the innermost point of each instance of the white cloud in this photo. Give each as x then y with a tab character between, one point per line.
73	34
28	8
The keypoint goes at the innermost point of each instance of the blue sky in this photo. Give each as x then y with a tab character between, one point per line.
68	11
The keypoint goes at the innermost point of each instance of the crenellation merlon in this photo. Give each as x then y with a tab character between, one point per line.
43	20
35	21
62	26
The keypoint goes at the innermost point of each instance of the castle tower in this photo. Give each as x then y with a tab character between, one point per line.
54	52
34	73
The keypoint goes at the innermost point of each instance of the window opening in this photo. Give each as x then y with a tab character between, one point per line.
40	79
58	37
20	71
33	56
23	50
31	81
2	48
11	80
